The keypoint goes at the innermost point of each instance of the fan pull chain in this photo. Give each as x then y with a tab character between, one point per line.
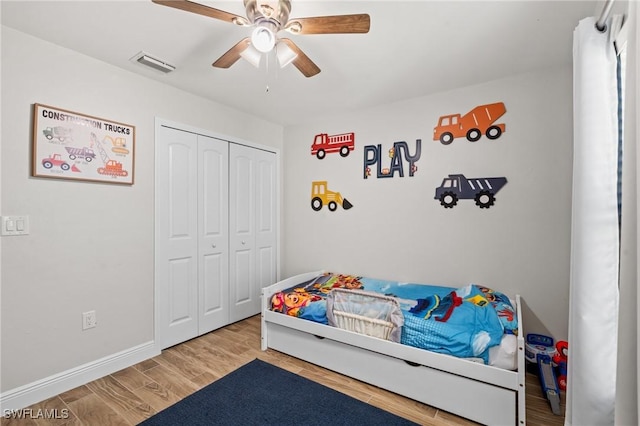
267	73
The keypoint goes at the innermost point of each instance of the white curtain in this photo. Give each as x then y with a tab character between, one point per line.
593	309
627	401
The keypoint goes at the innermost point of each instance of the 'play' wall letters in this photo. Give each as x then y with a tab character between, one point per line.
373	155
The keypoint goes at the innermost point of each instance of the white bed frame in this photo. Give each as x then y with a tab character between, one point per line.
481	393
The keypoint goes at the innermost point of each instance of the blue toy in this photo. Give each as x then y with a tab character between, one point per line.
548	382
538	343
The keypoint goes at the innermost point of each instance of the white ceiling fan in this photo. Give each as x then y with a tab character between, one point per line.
269	19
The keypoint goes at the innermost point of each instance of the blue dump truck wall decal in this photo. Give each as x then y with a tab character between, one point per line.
457	187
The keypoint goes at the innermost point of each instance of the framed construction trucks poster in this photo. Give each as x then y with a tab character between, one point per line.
71	145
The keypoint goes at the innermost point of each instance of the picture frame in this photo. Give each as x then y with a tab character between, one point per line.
76	146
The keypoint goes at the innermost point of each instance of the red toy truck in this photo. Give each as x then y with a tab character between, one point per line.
324	143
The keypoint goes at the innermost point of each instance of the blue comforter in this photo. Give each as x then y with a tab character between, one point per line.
463	322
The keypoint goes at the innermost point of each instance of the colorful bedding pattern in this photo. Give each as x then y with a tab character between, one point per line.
463	322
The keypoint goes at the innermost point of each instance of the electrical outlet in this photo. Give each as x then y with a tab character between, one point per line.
89	320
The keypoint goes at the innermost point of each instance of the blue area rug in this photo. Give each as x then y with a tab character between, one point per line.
259	393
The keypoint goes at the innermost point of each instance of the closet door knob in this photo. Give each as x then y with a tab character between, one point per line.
213	245
243	243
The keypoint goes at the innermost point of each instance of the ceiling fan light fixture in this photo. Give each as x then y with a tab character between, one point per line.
263	39
268	18
252	55
285	54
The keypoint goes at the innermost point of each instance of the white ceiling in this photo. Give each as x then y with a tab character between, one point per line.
414	48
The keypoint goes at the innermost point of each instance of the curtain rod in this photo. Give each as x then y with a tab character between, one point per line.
606	10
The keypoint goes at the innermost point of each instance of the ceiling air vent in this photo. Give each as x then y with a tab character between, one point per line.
155	63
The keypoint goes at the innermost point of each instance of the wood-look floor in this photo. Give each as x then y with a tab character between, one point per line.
129	396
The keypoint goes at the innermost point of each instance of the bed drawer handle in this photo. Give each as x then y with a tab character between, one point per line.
411	363
318	337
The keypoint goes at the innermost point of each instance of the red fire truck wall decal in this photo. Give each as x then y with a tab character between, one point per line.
457	187
373	155
321	196
472	125
324	144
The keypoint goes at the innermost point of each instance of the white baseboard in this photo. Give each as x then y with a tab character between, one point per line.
24	396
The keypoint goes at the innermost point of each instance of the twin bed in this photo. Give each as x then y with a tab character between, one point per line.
459	350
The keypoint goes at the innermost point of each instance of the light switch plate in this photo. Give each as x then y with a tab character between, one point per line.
15	225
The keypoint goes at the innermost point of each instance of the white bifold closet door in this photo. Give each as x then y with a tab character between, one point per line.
216	232
192	235
252	225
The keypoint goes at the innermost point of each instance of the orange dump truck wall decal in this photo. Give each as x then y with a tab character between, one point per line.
480	120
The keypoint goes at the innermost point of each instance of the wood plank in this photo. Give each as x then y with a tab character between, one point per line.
139	414
75	394
172	359
156	396
132	378
115	394
92	410
170	379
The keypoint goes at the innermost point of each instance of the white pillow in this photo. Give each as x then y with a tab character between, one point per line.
504	354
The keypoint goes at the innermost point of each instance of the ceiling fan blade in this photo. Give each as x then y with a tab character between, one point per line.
201	9
342	24
302	61
232	55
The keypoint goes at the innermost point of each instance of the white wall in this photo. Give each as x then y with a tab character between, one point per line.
91	245
397	230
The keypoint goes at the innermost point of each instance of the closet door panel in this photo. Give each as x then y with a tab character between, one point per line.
244	298
177	236
182	232
181	296
242	290
242	188
213	296
266	218
266	266
213	227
